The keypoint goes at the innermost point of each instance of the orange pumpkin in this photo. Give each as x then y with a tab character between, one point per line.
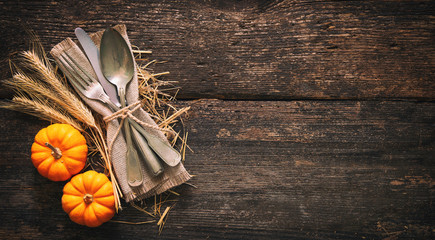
59	151
88	199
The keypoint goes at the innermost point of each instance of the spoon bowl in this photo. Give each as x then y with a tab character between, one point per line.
116	60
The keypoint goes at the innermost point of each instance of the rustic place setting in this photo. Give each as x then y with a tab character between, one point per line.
104	77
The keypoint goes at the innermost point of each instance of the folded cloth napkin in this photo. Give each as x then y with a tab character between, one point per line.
172	176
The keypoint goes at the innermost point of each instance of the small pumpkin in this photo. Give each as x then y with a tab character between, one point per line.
59	152
88	199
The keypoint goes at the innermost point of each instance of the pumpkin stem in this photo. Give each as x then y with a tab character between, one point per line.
54	151
88	198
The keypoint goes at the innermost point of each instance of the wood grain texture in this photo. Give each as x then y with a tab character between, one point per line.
265	170
256	49
348	154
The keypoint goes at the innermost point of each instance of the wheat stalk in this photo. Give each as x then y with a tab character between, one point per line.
39	109
34	89
71	103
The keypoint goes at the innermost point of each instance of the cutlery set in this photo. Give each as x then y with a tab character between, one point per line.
114	68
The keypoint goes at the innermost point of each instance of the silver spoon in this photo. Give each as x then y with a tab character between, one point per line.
118	67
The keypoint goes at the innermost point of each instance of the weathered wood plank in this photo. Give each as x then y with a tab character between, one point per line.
257	49
265	170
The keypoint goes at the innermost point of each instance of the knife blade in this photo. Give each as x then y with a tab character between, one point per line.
91	51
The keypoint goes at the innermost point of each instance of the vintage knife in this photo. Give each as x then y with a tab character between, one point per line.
91	51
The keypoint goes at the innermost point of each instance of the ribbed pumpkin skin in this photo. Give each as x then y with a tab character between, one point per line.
70	142
95	213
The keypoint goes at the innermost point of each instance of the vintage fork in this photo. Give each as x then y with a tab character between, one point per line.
85	83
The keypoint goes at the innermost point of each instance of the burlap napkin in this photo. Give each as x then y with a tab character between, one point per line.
172	176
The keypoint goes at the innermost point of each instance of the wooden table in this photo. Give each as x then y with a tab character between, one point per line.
309	120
